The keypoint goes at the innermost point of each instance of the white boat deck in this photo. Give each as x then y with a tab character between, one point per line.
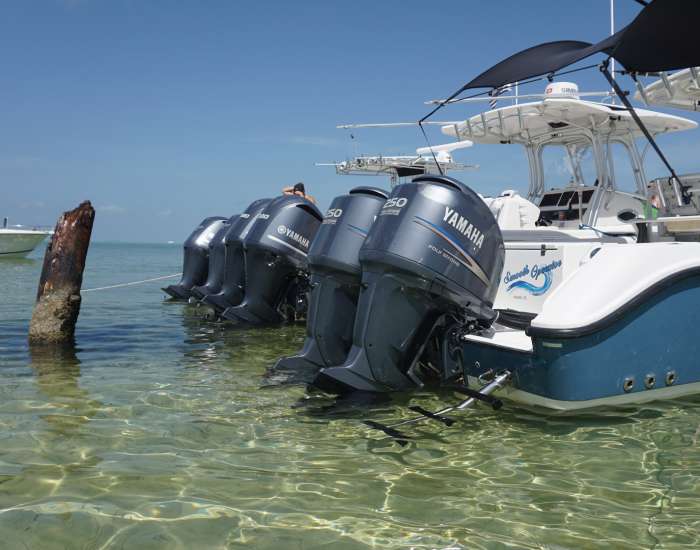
504	337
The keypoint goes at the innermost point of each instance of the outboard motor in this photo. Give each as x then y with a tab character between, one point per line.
276	250
195	265
432	259
233	280
217	258
336	275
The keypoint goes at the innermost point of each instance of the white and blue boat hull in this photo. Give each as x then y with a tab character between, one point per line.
642	348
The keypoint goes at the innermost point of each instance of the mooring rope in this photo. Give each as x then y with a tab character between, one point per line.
120	285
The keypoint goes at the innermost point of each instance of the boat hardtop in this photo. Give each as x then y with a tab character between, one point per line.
587	133
561	120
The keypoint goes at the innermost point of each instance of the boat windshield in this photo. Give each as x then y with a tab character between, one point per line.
568	176
622	169
567	166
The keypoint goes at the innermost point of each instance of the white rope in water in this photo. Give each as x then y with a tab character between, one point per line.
121	285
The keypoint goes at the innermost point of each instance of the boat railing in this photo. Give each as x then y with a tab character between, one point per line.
677	197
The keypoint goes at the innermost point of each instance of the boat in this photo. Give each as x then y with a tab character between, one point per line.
18	241
680	90
399	167
679	198
598	299
557	229
579	295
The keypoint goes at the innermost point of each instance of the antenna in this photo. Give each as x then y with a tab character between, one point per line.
612	31
396	124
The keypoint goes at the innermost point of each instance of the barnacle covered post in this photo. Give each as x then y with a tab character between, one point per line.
58	296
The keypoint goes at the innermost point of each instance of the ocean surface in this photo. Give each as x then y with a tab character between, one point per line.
159	430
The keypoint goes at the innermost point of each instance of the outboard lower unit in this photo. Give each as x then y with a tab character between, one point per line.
336	275
233	272
217	258
432	260
195	265
276	250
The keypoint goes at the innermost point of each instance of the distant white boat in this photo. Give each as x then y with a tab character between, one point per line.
680	90
437	158
18	241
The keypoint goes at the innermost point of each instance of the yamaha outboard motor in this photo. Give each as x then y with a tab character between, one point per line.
233	272
276	250
433	258
336	275
195	265
217	258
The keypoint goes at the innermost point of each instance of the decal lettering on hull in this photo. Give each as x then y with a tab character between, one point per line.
515	280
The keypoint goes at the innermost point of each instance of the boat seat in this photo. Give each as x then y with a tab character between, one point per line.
513	211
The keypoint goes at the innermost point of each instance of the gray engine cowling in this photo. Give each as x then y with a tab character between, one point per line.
276	252
233	283
433	256
336	275
195	264
217	259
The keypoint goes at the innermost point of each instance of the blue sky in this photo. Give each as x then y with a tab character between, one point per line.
164	112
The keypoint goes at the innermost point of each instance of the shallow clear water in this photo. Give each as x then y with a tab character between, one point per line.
155	433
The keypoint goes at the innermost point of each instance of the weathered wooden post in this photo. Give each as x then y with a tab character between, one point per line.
58	297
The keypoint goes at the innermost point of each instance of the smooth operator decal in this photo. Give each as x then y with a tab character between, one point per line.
541	278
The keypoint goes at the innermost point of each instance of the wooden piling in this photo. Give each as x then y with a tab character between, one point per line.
58	296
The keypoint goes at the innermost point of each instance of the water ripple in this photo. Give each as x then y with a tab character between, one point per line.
154	432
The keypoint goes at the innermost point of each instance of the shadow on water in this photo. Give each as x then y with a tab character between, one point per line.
568	422
355	405
395	407
277	375
57	371
210	342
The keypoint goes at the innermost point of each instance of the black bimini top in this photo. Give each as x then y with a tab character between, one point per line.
661	38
